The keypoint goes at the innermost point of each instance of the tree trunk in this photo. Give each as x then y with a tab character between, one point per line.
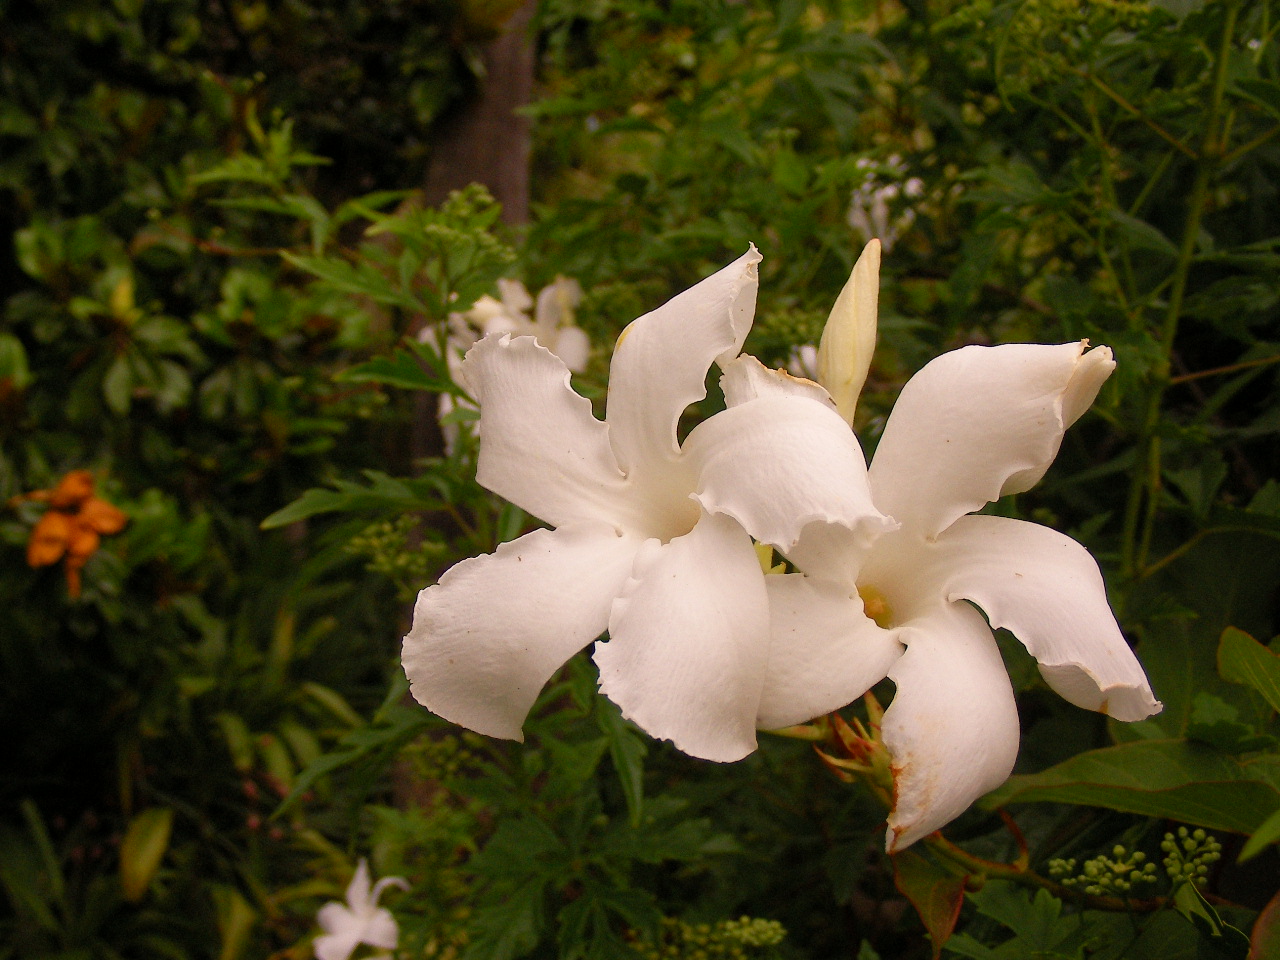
484	140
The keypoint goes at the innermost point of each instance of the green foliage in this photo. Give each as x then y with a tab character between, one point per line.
223	297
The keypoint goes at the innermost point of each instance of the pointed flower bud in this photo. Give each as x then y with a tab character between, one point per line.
849	338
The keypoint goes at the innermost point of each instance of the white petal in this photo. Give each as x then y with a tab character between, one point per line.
1047	590
849	337
781	461
952	727
661	361
540	446
358	895
342	933
335	917
745	378
572	346
380	930
495	628
824	652
978	423
385	882
515	298
689	641
556	303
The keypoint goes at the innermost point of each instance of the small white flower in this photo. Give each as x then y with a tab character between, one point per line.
359	920
552	326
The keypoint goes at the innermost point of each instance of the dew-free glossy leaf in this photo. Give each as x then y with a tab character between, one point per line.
1242	659
935	893
1159	778
142	849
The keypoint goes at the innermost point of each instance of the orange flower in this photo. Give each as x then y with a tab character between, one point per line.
72	527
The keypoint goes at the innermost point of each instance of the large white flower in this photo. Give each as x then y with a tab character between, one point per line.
651	538
359	920
970	427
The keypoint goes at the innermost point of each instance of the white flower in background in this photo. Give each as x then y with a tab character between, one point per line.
551	325
871	208
970	427
802	362
359	920
651	538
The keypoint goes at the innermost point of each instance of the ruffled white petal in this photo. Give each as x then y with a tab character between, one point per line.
952	728
781	461
745	378
689	641
540	446
495	628
978	423
661	361
824	652
1047	590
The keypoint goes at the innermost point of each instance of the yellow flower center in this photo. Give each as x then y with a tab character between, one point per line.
875	606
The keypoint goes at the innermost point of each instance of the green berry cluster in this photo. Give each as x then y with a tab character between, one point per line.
439	757
741	939
1106	876
387	547
1189	854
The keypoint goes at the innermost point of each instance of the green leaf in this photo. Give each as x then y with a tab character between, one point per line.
935	893
1190	902
627	749
1142	235
1242	659
362	279
1157	778
509	928
1265	835
142	849
384	494
1217	723
401	369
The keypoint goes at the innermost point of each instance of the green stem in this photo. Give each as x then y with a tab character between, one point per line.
1143	499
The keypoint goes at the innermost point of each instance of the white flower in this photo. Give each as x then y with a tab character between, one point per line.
651	538
552	326
973	425
360	920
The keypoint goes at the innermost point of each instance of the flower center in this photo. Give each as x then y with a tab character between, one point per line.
875	606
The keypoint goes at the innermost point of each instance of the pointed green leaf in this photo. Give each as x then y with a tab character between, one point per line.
1242	659
936	894
1158	778
142	849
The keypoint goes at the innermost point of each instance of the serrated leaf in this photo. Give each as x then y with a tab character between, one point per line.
509	928
142	849
1158	778
935	893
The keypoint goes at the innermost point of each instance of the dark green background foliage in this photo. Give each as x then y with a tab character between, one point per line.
213	268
